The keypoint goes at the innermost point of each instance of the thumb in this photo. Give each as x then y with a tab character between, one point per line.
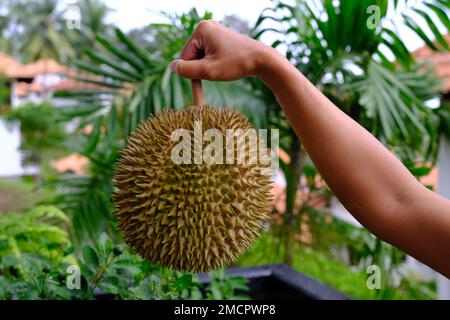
192	69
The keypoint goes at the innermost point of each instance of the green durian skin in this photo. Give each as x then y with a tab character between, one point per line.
188	217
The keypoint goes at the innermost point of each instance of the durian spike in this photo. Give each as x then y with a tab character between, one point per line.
197	92
193	218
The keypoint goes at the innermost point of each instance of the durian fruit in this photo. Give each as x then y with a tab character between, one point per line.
189	217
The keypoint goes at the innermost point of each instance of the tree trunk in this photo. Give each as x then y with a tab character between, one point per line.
295	169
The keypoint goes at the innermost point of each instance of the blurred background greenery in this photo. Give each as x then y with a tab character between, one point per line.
61	212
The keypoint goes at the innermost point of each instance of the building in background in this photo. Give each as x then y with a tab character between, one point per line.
33	83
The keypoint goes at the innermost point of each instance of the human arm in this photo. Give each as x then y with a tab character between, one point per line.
368	179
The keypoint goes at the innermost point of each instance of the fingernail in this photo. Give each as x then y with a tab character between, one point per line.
173	66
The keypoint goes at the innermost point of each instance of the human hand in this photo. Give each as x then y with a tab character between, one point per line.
216	53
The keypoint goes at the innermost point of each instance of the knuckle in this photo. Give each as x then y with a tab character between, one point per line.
212	73
203	72
203	25
183	69
180	69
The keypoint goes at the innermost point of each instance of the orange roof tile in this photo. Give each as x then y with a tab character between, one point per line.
14	69
8	65
438	60
431	179
74	162
39	67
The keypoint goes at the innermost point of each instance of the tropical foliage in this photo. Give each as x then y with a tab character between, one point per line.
324	266
38	29
4	93
42	229
107	271
38	24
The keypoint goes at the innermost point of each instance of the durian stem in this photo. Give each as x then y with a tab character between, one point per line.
197	92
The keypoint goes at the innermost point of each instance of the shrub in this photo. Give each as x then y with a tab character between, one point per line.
39	127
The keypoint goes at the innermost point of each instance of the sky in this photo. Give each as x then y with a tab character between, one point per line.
129	14
136	13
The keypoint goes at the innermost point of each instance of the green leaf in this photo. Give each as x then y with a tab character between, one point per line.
140	53
183	282
94	137
70	112
442	15
216	294
397	46
130	270
90	257
107	84
390	101
431	24
418	30
68	251
105	243
99	71
196	294
420	171
120	54
100	59
109	287
445	3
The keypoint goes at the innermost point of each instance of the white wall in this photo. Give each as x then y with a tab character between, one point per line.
10	154
10	158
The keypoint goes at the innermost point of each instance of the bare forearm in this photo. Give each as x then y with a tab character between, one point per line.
351	160
369	180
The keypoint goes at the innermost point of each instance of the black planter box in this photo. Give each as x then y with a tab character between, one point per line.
281	282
